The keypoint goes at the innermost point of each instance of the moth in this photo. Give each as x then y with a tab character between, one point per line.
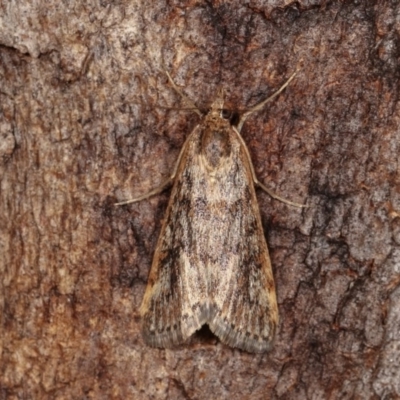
211	264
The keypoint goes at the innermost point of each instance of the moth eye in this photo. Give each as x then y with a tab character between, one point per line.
226	114
234	118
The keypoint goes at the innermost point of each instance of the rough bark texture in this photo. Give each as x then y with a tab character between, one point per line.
81	85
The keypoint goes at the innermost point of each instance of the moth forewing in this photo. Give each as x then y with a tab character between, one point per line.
173	306
244	310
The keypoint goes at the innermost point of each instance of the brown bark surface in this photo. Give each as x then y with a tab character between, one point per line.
84	123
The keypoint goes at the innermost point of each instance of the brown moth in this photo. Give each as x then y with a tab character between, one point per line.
211	264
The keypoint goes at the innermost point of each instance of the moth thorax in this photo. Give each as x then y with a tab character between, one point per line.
215	145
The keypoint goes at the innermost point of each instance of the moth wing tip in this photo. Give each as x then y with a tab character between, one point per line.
241	337
175	332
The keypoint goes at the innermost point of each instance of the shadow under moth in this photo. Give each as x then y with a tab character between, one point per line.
211	264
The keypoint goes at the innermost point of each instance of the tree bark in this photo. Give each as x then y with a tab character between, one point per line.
88	118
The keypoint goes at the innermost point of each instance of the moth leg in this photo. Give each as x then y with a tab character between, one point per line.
239	128
170	180
160	188
262	104
276	197
261	185
147	195
258	183
185	98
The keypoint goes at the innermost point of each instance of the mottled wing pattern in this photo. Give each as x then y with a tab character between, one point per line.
243	309
211	263
175	303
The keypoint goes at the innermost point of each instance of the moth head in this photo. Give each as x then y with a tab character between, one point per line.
218	111
215	135
217	106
